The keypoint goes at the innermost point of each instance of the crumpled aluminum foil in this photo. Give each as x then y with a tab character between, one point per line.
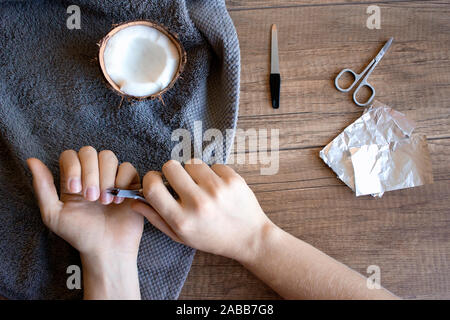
378	153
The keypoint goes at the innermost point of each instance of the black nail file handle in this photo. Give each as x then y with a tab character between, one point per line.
275	84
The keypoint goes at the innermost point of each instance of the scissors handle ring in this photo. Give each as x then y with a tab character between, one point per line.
364	83
353	73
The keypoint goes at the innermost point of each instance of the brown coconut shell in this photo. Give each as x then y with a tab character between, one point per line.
172	36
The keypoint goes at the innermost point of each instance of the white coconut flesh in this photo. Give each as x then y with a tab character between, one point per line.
141	60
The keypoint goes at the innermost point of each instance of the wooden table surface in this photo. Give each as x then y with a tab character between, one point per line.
406	232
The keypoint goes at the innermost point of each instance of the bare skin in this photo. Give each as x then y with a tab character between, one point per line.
106	234
218	213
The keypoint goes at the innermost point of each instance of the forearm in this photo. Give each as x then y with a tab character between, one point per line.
113	278
296	270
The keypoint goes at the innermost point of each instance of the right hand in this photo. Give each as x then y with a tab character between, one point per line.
216	211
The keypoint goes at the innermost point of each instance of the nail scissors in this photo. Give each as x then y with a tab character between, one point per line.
135	194
130	194
366	73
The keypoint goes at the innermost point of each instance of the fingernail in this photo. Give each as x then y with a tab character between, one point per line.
75	185
118	200
92	193
106	198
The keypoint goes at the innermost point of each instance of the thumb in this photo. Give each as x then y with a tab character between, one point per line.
46	193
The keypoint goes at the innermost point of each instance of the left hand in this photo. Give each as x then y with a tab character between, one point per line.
105	234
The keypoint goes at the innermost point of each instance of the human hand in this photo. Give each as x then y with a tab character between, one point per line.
216	211
106	235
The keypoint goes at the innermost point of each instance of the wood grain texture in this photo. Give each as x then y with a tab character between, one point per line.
406	232
235	5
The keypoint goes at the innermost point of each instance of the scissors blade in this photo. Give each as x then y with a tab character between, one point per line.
130	194
384	50
274	62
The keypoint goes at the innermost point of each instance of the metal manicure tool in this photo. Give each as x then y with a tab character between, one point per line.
366	73
136	194
130	194
275	79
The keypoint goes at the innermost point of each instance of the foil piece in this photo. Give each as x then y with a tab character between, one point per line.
379	153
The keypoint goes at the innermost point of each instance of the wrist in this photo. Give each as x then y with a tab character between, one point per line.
110	276
259	244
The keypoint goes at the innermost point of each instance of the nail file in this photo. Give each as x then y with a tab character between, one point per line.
275	79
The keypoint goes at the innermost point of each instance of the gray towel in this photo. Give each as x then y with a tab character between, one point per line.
52	98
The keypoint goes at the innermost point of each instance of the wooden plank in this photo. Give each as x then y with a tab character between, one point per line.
317	42
303	169
234	5
407	232
214	277
315	129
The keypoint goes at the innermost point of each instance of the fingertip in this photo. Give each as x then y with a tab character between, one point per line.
92	193
106	198
151	174
32	162
108	156
127	175
127	164
170	164
44	187
87	149
67	154
74	185
39	169
29	160
194	161
118	200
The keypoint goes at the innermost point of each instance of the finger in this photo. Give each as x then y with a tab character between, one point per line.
126	176
180	180
89	173
224	171
155	219
202	174
70	169
46	193
107	165
159	197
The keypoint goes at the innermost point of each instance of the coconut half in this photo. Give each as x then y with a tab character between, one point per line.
141	59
